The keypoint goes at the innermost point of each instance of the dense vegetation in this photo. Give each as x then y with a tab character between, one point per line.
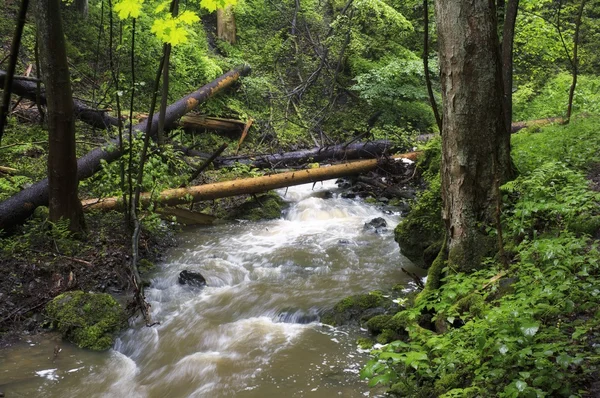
325	72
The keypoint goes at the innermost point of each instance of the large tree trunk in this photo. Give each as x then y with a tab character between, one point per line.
62	160
245	186
226	29
473	120
20	206
82	7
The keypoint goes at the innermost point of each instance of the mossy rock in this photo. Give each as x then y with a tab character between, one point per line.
357	309
265	207
89	320
365	343
422	230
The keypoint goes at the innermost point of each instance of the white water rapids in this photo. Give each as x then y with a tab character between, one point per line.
253	331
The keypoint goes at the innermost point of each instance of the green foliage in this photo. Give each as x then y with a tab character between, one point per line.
551	100
40	235
521	331
88	320
550	198
163	169
575	145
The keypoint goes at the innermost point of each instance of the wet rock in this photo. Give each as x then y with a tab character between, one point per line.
343	183
356	309
377	224
191	278
298	316
343	242
322	194
348	195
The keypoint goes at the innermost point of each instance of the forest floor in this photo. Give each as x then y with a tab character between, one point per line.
43	264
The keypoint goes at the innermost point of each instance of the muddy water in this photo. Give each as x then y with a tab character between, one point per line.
254	331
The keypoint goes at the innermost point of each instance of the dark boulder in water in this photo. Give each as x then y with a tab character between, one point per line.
377	224
191	278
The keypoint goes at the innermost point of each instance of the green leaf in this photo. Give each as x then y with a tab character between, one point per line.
212	5
529	328
564	360
129	8
188	17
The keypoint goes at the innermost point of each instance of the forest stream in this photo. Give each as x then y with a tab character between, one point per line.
254	330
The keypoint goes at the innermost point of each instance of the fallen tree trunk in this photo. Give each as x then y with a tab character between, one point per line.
516	126
17	208
94	117
360	150
245	186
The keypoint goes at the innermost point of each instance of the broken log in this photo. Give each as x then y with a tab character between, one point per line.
94	117
18	207
172	197
360	150
211	123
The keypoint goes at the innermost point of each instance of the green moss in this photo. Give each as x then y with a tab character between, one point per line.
423	225
356	309
362	301
378	323
387	336
365	343
435	272
89	320
473	304
265	207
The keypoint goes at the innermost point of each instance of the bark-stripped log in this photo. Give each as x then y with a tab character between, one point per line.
360	150
211	123
17	208
245	186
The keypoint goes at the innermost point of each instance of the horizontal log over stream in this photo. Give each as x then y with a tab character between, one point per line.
245	186
359	150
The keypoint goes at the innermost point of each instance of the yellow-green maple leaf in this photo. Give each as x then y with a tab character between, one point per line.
162	6
171	30
129	8
212	5
188	17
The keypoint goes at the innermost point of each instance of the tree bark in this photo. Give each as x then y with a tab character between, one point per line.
62	160
473	118
226	29
17	208
575	62
245	186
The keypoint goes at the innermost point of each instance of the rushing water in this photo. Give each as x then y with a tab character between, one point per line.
253	331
